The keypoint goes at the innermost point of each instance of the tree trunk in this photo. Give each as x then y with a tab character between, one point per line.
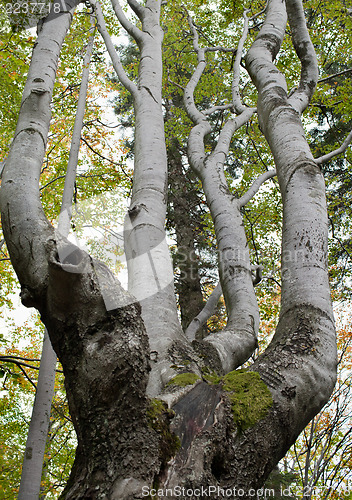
32	467
183	214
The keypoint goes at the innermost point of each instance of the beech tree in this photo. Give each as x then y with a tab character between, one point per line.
153	408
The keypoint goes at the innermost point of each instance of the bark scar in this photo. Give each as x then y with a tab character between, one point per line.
150	93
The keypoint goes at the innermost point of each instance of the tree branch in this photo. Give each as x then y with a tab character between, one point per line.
255	187
33	360
71	171
212	110
233	346
15	360
196	116
322	80
131	29
306	53
230	127
115	59
270	82
259	13
236	99
340	150
206	313
137	8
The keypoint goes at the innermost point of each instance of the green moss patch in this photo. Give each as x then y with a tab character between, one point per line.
159	416
250	398
184	379
211	377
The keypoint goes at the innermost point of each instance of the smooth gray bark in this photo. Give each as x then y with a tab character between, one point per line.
206	313
233	346
38	429
65	216
150	271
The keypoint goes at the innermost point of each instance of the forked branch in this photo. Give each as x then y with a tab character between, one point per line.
115	59
131	29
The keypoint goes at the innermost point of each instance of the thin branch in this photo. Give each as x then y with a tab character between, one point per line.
137	8
115	59
230	127
195	115
52	181
259	13
12	359
322	80
71	171
104	158
306	53
219	48
206	313
255	187
18	364
106	125
236	99
131	29
176	84
224	107
340	150
25	374
33	360
337	238
258	153
200	117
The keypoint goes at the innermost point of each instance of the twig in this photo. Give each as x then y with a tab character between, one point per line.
255	187
337	238
104	158
322	80
341	149
259	13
